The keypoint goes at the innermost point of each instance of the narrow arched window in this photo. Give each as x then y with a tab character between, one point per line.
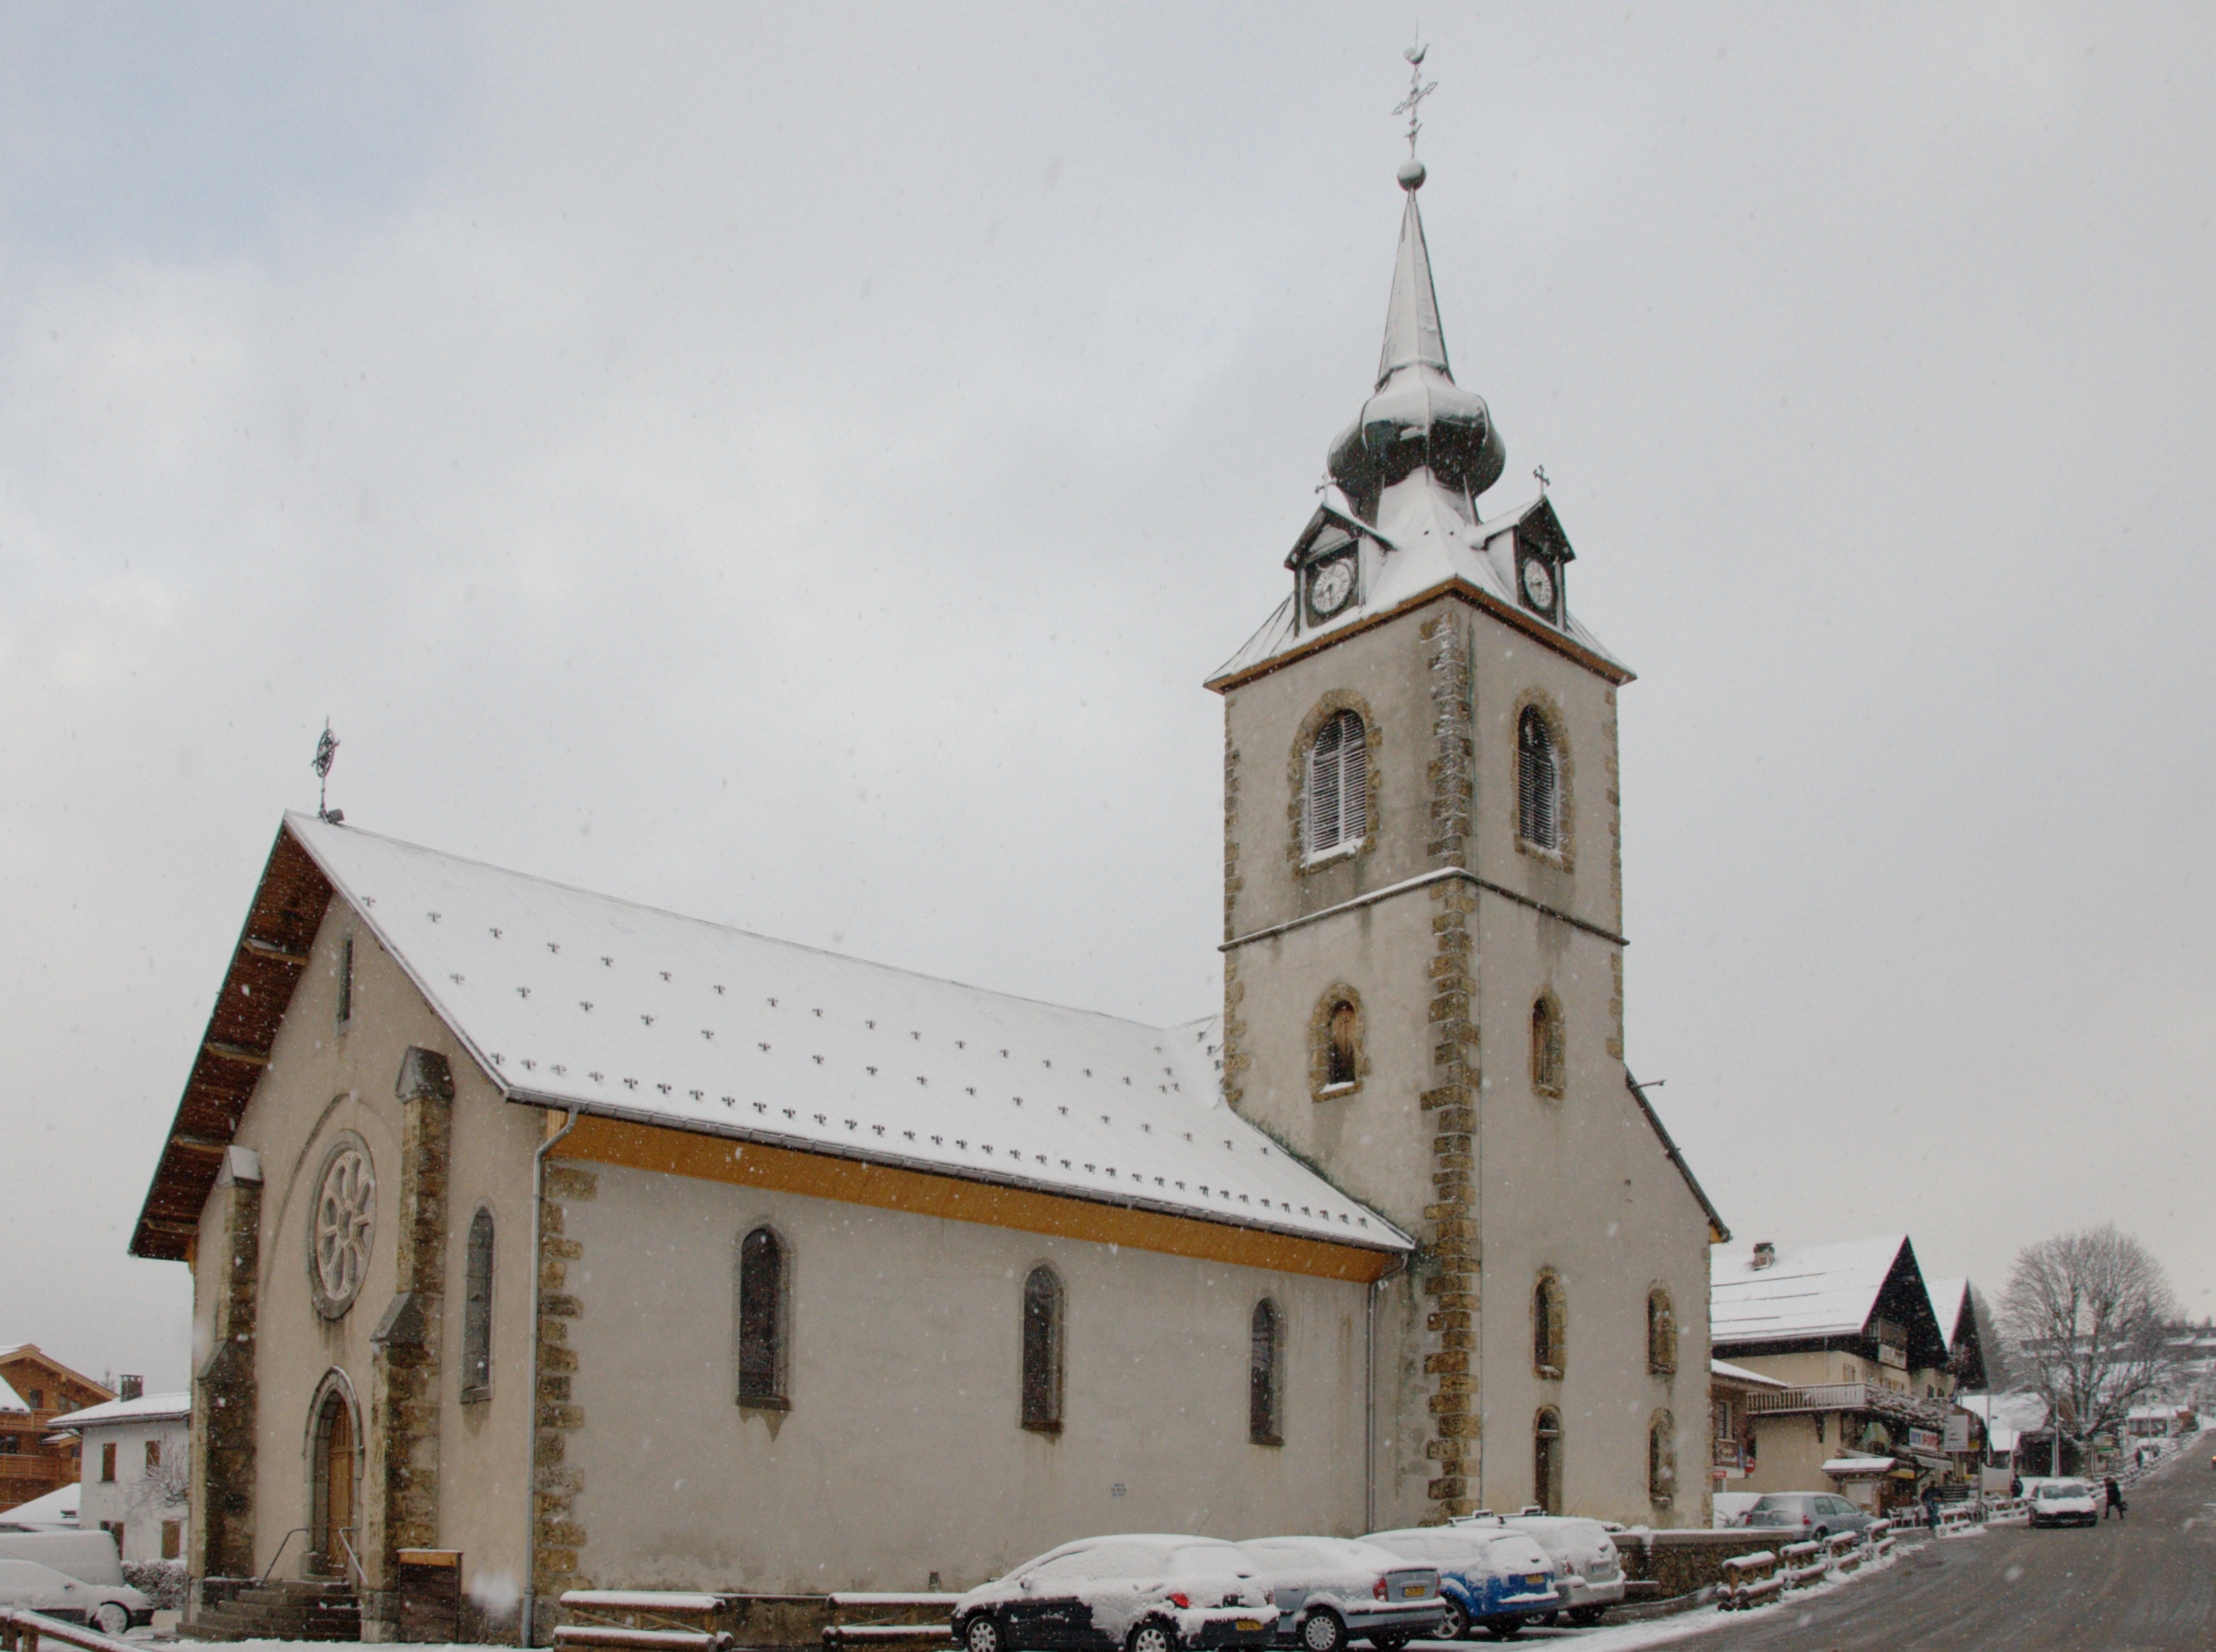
1335	813
1547	1063
1339	1063
1263	1349
762	1319
1661	1333
1043	1309
1549	1325
1547	1460
476	1310
1538	782
1661	1457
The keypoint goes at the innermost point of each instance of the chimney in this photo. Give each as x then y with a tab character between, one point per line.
131	1388
1764	1253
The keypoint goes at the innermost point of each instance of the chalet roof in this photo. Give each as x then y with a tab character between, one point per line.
1950	1306
1732	1374
147	1407
1810	1292
31	1353
572	1000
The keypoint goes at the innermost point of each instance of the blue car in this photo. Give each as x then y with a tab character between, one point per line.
1493	1579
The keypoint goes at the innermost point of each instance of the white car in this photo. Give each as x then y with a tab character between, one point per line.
111	1608
1332	1590
1588	1570
1131	1592
2065	1502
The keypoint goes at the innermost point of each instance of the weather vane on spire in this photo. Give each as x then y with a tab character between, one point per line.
327	753
1419	90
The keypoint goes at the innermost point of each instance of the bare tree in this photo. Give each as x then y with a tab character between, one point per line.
2090	1313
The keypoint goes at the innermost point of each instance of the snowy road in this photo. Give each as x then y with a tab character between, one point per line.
2146	1586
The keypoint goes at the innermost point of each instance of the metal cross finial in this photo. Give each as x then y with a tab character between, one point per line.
327	752
1419	90
1540	471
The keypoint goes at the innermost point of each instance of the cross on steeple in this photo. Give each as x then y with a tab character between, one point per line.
1419	90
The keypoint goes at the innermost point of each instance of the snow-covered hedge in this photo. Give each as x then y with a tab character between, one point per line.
163	1582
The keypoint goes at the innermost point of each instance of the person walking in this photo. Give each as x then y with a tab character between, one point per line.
2016	1483
2116	1499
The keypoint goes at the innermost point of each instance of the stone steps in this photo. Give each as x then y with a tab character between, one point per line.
287	1610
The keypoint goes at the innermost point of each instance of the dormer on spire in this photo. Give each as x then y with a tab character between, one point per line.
1418	419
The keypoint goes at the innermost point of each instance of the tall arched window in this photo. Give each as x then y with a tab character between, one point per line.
1662	1458
476	1310
762	1319
1538	782
1339	1061
1042	1351
1661	1333
1547	1061
1335	811
1264	1426
1547	1460
1550	1324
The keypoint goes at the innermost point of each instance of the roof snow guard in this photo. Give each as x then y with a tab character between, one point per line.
574	1001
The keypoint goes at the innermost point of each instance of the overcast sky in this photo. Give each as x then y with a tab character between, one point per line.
798	465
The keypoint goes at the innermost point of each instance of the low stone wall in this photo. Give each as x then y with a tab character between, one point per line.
1682	1562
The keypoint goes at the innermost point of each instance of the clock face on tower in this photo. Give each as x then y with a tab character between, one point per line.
1538	585
1330	585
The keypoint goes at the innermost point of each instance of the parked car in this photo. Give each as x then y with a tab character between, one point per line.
1588	1570
1811	1513
1331	1590
1124	1594
2065	1502
111	1608
1492	1579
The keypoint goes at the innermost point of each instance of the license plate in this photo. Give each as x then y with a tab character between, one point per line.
1250	1625
1536	1580
1413	1591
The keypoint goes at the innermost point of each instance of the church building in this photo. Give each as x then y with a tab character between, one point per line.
608	1248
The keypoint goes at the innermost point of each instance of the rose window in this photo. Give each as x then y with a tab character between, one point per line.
342	1225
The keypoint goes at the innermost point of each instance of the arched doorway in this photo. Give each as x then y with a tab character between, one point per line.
331	1523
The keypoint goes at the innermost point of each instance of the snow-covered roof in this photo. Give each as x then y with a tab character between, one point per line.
148	1407
1950	1306
10	1399
1424	544
1730	1372
570	999
57	1508
1808	1290
1847	1468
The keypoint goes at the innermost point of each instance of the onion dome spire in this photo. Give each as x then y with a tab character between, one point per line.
1418	418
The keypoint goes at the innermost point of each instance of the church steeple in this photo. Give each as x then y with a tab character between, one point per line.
1417	419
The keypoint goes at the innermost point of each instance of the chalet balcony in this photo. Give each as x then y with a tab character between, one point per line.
1865	1397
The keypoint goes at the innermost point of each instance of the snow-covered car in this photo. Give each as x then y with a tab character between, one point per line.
1492	1578
1333	1590
111	1608
1811	1513
1127	1593
1588	1570
2065	1502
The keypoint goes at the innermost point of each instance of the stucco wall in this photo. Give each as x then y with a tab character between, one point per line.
135	1499
903	1454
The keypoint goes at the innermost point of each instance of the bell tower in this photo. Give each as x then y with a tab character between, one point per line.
1424	963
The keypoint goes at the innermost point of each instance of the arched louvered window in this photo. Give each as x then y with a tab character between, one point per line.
1340	1065
1662	1458
476	1310
1043	1314
762	1319
1549	1325
1547	1460
1538	782
1335	813
1263	1399
1547	1045
1661	1333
